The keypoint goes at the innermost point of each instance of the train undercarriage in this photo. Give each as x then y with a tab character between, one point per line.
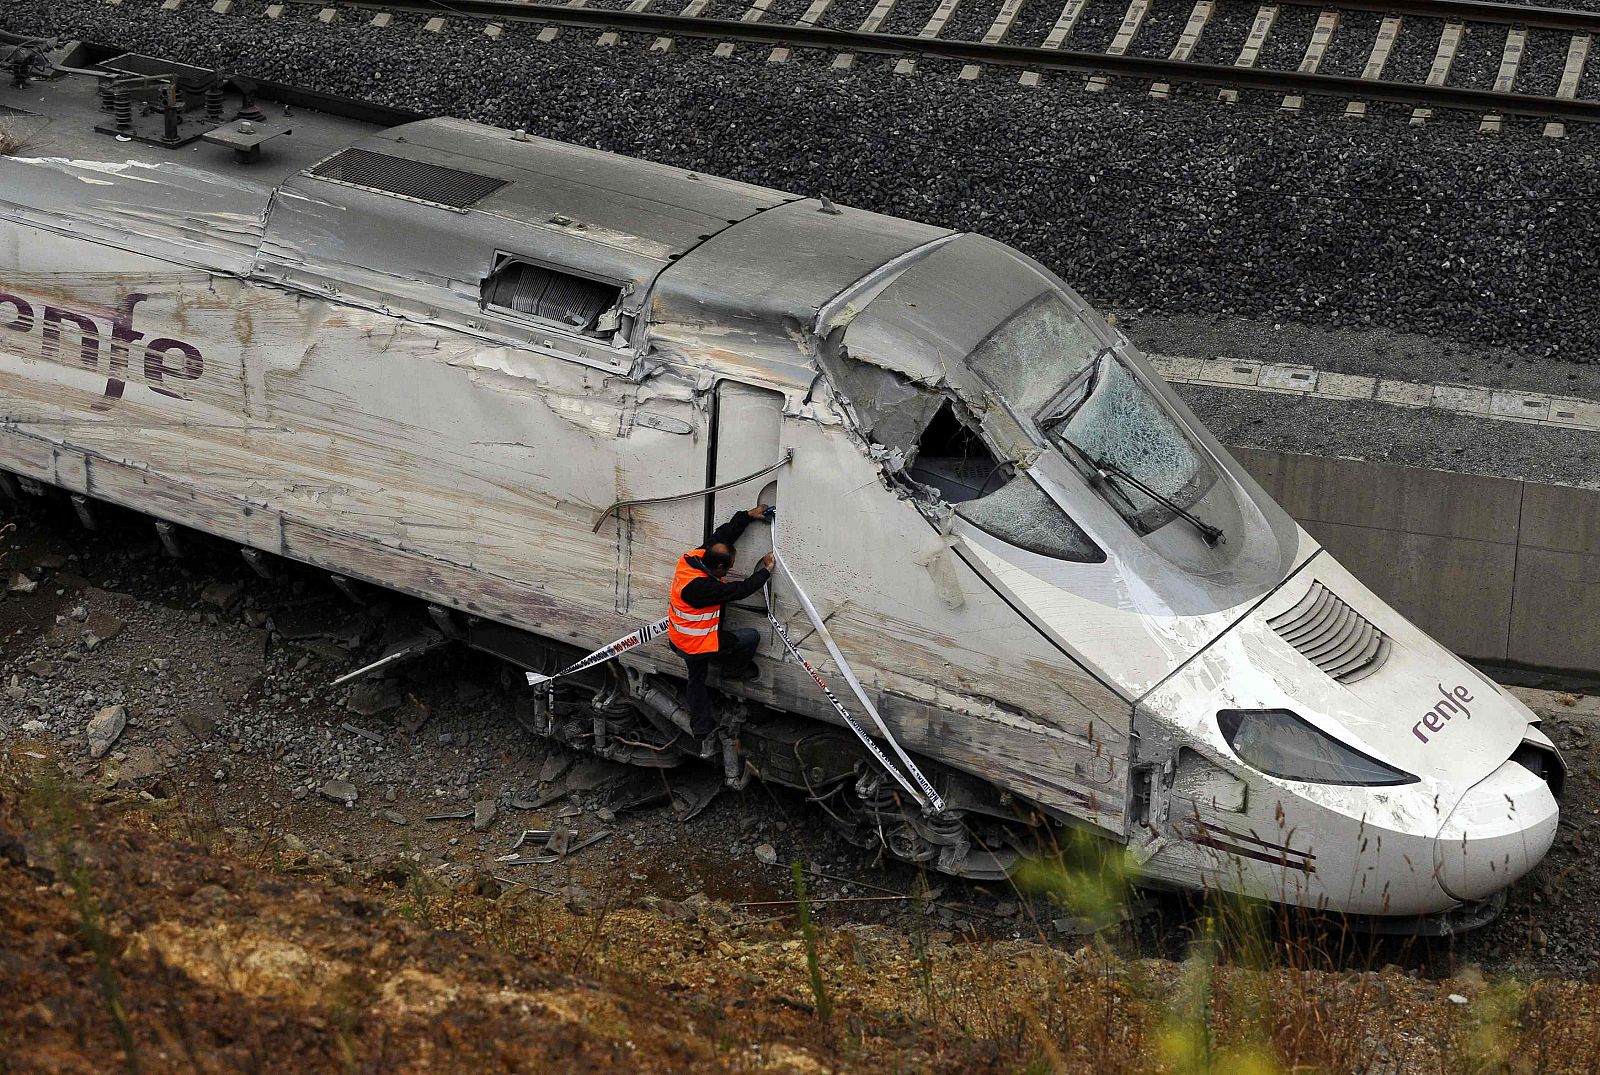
632	717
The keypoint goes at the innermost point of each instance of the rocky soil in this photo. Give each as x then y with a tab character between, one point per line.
126	945
204	692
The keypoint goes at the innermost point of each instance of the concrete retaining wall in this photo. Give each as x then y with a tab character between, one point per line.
1496	569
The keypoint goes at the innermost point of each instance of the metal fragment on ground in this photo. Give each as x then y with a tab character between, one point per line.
401	651
459	815
693	792
556	765
593	774
643	789
588	841
370	736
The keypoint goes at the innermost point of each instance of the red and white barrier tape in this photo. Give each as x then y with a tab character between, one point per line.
606	653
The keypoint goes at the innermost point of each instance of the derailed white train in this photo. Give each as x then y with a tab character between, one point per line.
433	360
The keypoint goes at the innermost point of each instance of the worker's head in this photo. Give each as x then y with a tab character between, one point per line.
718	559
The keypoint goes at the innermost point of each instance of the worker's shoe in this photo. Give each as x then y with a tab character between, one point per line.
749	671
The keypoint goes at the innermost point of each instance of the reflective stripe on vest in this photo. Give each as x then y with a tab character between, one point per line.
691	630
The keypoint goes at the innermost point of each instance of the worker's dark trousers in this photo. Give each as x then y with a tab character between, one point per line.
736	648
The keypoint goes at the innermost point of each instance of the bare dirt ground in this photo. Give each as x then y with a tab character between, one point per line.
235	745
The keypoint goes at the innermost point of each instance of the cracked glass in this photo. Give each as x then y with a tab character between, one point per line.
1022	514
1040	348
1118	425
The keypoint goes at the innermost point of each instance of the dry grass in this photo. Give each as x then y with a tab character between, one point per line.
20	135
268	965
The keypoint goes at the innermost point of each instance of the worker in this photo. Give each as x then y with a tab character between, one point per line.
694	616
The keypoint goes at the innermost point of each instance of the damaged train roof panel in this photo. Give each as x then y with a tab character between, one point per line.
652	210
757	289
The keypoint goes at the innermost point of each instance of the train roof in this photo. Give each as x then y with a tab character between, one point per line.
415	218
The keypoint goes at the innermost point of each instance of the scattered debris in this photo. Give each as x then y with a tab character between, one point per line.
35	727
645	788
370	736
594	774
23	584
549	798
694	791
588	841
483	815
394	817
401	651
519	859
1456	998
374	697
556	764
460	815
104	729
767	854
546	835
339	790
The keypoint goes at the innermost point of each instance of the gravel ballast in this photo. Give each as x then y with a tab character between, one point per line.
1177	207
1477	61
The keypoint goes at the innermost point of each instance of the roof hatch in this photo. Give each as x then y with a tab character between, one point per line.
448	188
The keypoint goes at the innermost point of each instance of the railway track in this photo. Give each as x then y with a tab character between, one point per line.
1402	51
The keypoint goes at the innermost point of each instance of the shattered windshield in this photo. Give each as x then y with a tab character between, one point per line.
1022	514
1033	355
1048	362
1111	419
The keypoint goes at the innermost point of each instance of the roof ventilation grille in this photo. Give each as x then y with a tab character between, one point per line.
1333	636
448	188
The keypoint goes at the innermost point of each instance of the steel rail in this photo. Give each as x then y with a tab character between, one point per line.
1482	11
1486	11
1040	59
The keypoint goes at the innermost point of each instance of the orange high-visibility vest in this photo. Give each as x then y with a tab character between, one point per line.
692	630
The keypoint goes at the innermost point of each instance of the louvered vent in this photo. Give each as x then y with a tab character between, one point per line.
556	296
1333	636
451	188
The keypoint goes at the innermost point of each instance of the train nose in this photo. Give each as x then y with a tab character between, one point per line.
1498	831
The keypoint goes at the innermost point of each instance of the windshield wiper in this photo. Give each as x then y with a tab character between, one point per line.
1212	535
1091	382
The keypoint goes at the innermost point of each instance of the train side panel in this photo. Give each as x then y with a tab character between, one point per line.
270	417
468	474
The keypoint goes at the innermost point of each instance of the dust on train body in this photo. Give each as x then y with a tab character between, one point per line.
431	356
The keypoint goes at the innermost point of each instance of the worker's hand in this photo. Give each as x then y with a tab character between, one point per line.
759	512
769	562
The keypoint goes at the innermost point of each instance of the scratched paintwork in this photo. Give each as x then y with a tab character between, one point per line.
307	368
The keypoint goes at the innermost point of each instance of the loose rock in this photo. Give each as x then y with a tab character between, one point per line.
483	815
340	791
104	729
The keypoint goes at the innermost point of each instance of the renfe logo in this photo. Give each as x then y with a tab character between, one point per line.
1452	702
162	360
